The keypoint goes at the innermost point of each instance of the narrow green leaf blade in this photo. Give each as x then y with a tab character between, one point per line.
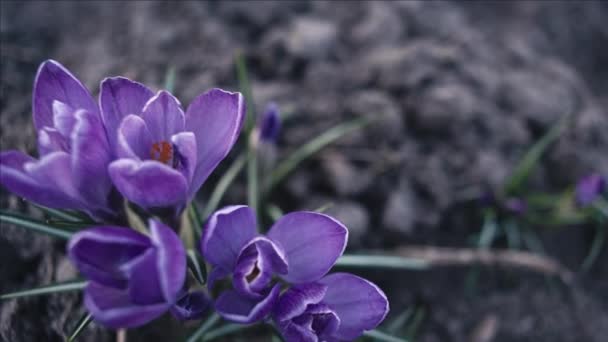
210	322
378	335
34	225
381	261
532	157
225	330
59	214
245	87
83	322
72	285
197	266
170	79
310	148
223	184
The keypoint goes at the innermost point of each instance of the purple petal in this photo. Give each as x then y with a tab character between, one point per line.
118	98
184	159
215	118
100	253
149	184
63	118
134	139
15	177
55	83
143	279
234	307
90	159
296	299
296	332
51	140
113	308
312	241
258	261
589	188
325	321
192	305
216	274
359	304
164	116
171	262
226	233
270	126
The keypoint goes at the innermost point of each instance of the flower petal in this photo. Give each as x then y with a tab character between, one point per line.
63	118
90	159
215	118
312	241
234	307
99	253
113	308
143	276
270	125
226	232
15	178
134	139
171	260
149	184
55	83
164	116
359	304
296	332
192	305
589	188
258	261
184	159
118	98
51	140
296	299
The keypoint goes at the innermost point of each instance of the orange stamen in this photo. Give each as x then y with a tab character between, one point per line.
162	151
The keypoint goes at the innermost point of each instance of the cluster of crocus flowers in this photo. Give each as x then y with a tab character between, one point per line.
134	143
141	147
300	248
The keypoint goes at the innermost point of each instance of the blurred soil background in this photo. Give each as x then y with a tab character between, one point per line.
462	90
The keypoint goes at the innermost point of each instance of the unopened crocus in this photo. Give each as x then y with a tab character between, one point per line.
74	153
300	248
588	189
165	155
270	124
516	205
132	278
338	307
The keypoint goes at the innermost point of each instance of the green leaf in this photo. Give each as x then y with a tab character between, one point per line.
284	168
210	322
597	245
488	231
378	335
72	285
223	184
83	322
34	225
245	87
381	261
252	178
61	214
225	330
274	212
532	157
196	264
170	79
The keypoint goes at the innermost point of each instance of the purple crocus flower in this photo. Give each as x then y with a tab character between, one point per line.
516	205
338	307
300	247
165	155
71	172
270	124
133	278
589	188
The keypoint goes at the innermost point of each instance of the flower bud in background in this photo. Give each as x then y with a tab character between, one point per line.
589	189
269	126
516	206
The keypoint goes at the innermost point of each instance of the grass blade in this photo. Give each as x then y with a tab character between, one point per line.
310	148
59	214
225	330
170	79
378	335
245	87
214	318
596	248
72	285
223	184
381	261
252	178
34	225
197	266
532	157
83	322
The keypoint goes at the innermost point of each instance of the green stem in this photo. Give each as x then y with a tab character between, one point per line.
381	261
47	289
225	330
596	248
210	322
34	225
223	184
80	326
381	336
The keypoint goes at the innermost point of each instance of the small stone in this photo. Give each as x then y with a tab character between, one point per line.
311	38
354	216
399	212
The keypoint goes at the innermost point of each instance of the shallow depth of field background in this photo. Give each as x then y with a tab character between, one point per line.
463	89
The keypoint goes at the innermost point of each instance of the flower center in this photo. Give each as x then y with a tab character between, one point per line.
162	151
253	274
